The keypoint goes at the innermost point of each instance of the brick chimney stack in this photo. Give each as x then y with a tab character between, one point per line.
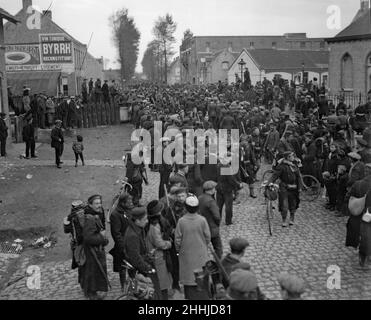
26	4
365	5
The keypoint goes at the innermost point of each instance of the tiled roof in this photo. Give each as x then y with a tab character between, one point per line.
360	28
271	59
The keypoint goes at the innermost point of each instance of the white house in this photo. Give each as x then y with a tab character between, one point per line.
289	64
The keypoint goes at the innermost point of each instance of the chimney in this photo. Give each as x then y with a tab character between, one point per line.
26	4
365	5
47	13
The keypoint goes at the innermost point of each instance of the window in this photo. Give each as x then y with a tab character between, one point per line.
325	80
252	45
303	45
347	72
207	46
274	45
225	65
322	45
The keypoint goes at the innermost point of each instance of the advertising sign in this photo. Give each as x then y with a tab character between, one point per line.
22	55
56	48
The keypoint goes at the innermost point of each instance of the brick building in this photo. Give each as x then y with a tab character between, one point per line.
45	57
197	53
350	55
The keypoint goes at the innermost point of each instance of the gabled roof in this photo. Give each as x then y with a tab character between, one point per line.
360	28
273	59
45	20
6	15
225	50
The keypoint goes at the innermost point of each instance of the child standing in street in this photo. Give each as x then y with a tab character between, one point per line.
78	148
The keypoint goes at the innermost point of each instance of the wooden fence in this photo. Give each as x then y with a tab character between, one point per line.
90	115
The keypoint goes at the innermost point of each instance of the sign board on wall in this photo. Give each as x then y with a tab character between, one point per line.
56	48
22	56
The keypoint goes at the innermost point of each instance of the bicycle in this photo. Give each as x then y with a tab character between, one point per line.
271	195
136	286
311	188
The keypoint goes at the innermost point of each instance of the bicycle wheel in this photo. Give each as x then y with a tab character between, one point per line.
127	297
267	175
269	217
312	189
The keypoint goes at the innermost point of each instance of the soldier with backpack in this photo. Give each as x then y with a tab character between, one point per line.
87	225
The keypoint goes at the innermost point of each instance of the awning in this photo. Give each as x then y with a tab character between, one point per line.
38	81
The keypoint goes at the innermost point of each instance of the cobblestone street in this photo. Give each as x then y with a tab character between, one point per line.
307	249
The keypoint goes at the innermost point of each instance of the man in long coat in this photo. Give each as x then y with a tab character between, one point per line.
209	209
57	142
3	134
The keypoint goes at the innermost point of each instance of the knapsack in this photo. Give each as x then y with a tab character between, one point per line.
74	224
77	221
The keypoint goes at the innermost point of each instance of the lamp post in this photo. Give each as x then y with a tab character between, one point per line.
242	64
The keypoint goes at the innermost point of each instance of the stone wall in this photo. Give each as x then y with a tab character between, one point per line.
359	51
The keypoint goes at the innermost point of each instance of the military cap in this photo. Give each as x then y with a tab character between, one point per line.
94	197
291	283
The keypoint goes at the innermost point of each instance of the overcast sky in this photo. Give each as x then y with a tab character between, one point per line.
204	17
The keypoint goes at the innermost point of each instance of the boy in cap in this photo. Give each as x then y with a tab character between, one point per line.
292	287
57	142
209	209
237	251
243	285
180	176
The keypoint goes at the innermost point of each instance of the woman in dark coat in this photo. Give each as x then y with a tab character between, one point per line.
136	249
119	221
93	274
359	232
